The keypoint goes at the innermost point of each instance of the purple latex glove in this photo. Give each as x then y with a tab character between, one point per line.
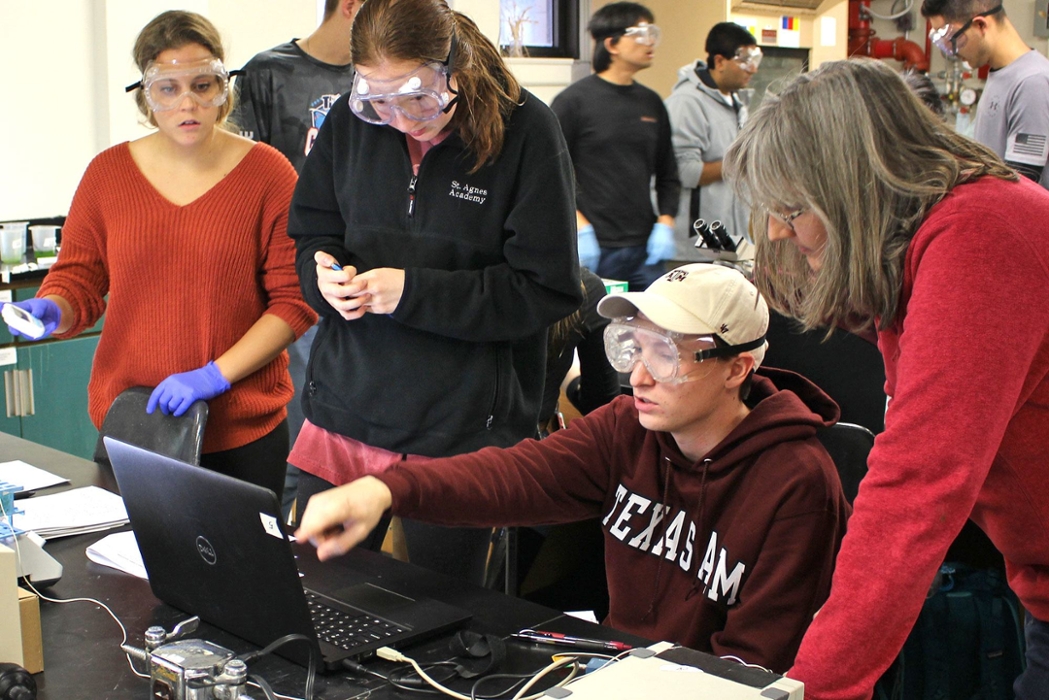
177	393
45	310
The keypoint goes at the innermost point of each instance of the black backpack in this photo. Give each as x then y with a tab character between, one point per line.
968	642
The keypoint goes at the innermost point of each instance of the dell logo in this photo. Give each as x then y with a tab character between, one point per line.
206	551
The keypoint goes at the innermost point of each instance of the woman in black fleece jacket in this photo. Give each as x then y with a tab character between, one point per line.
434	225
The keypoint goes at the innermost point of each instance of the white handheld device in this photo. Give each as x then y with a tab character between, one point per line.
22	321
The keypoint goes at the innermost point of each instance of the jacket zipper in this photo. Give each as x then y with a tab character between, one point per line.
495	397
411	196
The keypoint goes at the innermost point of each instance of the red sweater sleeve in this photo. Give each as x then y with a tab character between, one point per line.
969	352
277	264
81	276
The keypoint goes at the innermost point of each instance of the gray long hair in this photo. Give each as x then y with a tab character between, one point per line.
852	144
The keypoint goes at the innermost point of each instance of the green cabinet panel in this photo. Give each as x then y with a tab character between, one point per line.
10	425
60	374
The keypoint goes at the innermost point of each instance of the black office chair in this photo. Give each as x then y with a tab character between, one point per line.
847	367
848	445
127	421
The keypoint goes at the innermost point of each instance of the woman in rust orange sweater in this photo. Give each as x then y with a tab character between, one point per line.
185	230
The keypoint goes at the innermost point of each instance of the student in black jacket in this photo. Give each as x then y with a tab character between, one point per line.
434	224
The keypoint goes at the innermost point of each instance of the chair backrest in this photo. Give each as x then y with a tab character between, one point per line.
847	367
848	445
127	420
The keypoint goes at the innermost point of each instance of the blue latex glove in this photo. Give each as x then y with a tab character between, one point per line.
589	250
660	244
45	310
177	393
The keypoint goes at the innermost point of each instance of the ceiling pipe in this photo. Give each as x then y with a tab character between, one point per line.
862	41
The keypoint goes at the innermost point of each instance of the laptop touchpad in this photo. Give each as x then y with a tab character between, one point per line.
372	598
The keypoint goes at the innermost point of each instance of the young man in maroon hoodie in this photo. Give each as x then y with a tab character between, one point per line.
722	512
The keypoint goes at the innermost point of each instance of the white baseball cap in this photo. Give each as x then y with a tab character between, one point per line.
700	299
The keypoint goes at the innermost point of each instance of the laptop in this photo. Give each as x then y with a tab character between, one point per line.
677	673
214	546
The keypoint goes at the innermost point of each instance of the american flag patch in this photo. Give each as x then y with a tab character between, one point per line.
1029	145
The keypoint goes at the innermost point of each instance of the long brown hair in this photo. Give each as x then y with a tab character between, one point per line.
172	30
852	144
422	30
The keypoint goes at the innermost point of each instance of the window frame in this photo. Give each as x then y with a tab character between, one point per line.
565	31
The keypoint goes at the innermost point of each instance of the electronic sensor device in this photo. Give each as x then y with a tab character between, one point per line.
22	321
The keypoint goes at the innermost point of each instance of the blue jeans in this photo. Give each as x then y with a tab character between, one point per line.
628	265
1033	683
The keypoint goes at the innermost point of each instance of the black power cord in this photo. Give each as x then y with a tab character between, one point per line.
311	670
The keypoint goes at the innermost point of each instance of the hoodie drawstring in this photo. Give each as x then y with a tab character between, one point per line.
696	588
662	536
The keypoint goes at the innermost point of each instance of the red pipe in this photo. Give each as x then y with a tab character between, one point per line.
863	43
902	50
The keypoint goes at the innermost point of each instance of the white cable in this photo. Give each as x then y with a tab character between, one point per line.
559	662
730	657
393	655
553	666
18	559
901	13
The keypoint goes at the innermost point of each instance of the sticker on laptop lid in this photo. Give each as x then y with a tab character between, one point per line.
270	525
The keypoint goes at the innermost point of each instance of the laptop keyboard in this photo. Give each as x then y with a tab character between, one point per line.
347	630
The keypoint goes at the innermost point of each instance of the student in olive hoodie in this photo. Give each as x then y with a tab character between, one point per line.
722	512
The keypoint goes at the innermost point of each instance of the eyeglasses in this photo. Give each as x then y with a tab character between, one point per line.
422	94
626	344
946	39
644	34
166	85
748	58
786	219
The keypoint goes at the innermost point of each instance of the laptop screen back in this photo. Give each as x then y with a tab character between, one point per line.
213	546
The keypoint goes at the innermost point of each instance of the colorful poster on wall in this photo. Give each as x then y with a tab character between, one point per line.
790	32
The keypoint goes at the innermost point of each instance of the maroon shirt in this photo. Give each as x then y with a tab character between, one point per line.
731	554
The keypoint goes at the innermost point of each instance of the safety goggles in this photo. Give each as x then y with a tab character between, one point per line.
421	95
748	58
645	34
166	85
660	351
945	38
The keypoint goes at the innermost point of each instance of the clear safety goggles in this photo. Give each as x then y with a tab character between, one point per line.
660	351
166	85
945	38
748	58
421	95
645	34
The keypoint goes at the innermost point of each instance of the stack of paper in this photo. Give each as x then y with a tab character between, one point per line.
27	476
119	551
73	512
